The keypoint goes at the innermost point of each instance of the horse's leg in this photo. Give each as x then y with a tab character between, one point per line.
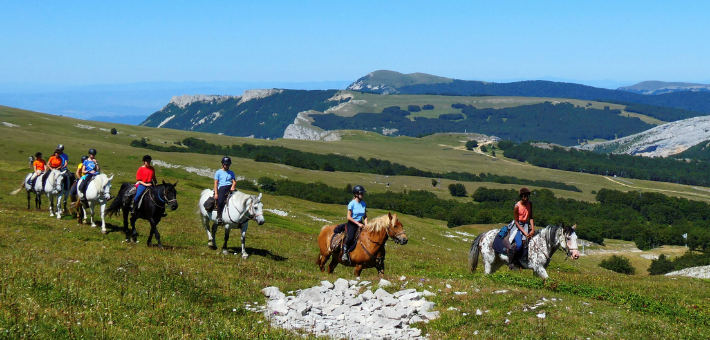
134	234
154	231
322	260
380	269
51	204
227	229
540	271
59	206
103	218
91	208
125	224
244	237
333	264
210	234
28	200
358	269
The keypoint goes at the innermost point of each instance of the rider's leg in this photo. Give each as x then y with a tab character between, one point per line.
222	193
349	241
513	253
34	176
84	184
139	192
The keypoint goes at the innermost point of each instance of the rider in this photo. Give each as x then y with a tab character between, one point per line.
56	162
356	216
65	158
73	190
39	165
222	180
145	177
523	220
90	168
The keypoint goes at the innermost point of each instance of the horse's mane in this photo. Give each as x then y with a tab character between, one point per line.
378	224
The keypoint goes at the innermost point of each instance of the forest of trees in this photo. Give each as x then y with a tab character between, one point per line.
693	172
331	162
561	123
698	102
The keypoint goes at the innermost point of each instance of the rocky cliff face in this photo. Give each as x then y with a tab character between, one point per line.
661	141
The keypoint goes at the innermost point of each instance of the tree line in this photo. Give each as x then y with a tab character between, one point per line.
332	162
692	172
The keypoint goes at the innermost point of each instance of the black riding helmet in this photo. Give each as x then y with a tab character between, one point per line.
226	160
358	189
39	154
147	158
84	157
92	152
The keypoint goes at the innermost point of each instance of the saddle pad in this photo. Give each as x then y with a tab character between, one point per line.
210	204
500	245
336	243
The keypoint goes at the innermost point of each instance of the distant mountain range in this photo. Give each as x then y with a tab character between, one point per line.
661	87
388	82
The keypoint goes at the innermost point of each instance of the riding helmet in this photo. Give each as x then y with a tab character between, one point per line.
57	150
92	152
358	189
39	154
60	147
226	160
524	190
147	158
84	157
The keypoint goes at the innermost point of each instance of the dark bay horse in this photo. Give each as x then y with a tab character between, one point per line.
152	208
370	248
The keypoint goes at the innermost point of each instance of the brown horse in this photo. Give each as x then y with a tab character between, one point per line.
370	248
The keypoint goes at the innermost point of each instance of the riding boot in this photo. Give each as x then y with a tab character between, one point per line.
133	207
512	257
346	256
219	217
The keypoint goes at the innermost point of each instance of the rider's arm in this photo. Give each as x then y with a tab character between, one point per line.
83	170
364	219
532	227
96	168
215	188
234	184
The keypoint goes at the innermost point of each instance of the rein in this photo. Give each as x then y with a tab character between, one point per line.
165	201
381	259
249	212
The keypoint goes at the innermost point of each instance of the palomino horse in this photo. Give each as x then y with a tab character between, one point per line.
52	187
152	208
238	210
97	192
370	248
541	246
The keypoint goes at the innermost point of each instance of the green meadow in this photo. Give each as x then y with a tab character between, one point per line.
62	280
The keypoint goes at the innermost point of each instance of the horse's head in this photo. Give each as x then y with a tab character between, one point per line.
256	209
170	194
106	190
57	181
567	240
395	230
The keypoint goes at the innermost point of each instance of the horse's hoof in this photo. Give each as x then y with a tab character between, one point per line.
211	245
93	225
225	252
245	256
104	231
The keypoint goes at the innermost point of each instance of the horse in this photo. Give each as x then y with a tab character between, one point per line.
37	189
238	210
152	208
370	247
52	186
97	192
541	246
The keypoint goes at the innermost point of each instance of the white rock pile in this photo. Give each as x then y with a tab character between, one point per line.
340	310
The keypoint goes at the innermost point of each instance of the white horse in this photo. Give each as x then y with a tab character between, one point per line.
541	246
97	192
52	187
238	210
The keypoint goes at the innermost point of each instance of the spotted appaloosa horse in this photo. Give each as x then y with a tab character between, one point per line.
370	248
541	246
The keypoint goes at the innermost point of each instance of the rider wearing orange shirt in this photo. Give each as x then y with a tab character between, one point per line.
38	166
56	161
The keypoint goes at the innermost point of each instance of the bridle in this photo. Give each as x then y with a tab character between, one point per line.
381	259
165	201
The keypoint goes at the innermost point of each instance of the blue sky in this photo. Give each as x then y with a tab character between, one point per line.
104	42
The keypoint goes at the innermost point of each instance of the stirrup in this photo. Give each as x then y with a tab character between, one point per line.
345	257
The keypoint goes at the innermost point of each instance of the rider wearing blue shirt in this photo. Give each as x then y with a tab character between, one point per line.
357	218
89	169
224	183
65	158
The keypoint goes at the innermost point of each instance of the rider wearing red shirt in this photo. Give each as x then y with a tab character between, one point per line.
145	177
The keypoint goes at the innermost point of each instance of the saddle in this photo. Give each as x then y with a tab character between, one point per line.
337	242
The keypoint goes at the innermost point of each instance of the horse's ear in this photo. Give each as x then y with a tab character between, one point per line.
394	217
390	215
176	182
163	182
574	227
259	199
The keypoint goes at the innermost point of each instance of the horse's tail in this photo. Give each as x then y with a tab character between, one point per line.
474	252
117	204
22	186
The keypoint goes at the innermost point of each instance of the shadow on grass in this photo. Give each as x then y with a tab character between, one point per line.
258	252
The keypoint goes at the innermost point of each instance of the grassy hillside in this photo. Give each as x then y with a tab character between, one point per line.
60	280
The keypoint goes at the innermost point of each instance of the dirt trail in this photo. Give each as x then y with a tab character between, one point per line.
662	190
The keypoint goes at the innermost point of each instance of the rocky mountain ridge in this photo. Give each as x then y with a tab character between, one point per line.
654	87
